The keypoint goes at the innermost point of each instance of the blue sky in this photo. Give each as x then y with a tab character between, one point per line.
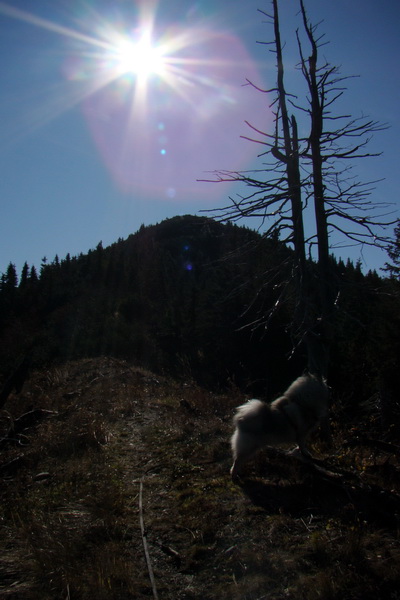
90	149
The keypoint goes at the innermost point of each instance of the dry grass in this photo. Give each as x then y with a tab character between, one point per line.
69	500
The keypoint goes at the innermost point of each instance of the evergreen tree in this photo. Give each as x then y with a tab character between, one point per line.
33	277
24	276
43	266
394	254
11	277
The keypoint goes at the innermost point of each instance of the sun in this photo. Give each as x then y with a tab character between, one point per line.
140	57
161	97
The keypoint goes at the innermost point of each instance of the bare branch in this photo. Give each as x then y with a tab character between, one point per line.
310	172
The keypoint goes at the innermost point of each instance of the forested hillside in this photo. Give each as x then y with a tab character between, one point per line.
185	297
104	454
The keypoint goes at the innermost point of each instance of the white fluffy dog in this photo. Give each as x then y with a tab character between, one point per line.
289	419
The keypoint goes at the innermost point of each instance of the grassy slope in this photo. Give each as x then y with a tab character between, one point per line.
70	500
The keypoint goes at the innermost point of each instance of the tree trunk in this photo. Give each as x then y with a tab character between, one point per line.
320	339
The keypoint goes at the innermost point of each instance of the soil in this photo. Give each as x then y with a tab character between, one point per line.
114	462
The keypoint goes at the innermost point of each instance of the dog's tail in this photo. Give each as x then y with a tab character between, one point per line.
249	409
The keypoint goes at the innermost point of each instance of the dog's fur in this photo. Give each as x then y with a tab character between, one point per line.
289	419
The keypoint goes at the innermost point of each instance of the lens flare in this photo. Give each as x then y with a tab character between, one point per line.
140	57
164	101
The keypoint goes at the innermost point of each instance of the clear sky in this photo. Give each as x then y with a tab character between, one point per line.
99	135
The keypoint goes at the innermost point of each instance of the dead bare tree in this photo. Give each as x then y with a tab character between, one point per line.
308	171
337	197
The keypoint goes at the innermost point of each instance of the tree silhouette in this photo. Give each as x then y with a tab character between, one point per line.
394	254
310	171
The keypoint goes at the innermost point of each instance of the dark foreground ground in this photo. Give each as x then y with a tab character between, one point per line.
100	461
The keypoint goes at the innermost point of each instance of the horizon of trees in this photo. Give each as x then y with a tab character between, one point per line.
178	298
31	272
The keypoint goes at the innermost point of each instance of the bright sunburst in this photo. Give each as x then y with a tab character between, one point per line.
140	57
163	100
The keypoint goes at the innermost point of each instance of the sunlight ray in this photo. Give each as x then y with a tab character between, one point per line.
22	15
153	97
